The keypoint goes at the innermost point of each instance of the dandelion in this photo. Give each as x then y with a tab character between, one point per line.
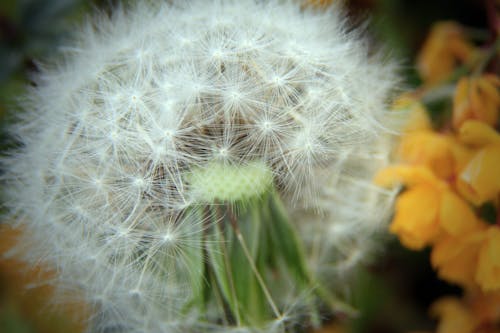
205	165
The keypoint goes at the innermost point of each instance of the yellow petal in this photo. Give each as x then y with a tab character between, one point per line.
455	215
462	154
480	180
477	133
416	218
462	109
428	149
455	258
488	269
488	84
408	175
476	98
454	316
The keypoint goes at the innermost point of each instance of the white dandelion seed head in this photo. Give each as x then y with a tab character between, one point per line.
176	104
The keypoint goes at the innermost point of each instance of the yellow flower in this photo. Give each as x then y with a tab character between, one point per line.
408	175
470	259
455	215
455	258
416	221
479	181
443	154
443	49
476	133
429	149
476	98
428	209
454	316
475	313
420	145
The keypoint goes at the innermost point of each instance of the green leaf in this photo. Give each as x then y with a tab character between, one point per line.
251	298
285	241
218	257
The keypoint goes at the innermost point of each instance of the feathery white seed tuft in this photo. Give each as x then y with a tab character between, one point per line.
164	112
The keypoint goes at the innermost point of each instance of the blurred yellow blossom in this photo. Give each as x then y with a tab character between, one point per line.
454	316
456	257
443	154
476	312
416	221
476	133
448	175
428	208
430	149
470	259
476	98
479	180
420	145
456	217
445	47
409	175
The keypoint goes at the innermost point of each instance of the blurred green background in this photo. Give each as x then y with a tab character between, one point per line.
393	295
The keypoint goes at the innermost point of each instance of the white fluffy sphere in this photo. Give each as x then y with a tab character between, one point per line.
123	140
